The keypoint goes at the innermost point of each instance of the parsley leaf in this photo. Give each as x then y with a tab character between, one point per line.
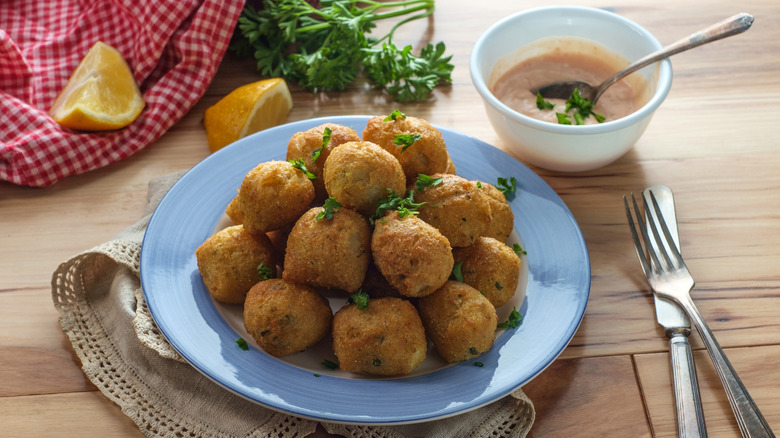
457	271
514	320
404	206
330	364
242	344
325	141
518	249
406	140
543	104
330	206
395	115
360	299
563	119
264	272
507	185
300	165
424	181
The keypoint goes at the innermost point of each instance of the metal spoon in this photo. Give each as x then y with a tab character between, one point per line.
726	28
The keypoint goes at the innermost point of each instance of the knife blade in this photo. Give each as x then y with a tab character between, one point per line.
690	417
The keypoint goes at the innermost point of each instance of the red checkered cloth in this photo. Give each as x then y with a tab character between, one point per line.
173	48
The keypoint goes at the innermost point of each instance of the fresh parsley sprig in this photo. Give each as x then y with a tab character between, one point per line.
404	206
300	165
326	133
406	140
326	47
330	207
514	320
507	186
424	181
265	272
360	299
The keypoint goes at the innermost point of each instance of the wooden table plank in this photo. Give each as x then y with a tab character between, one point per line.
756	366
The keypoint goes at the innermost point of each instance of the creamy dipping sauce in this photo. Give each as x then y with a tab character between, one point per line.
558	59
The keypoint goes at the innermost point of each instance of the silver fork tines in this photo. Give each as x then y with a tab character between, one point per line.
670	279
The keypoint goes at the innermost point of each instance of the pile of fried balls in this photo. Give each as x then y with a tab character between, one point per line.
383	219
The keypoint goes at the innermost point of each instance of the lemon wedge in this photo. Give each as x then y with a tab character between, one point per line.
101	94
246	110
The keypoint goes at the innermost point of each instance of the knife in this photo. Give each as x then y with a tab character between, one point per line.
690	417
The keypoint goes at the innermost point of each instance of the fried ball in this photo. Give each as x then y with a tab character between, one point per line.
359	173
502	219
228	262
285	318
233	212
491	267
330	253
413	256
386	339
457	207
427	155
459	321
272	195
304	144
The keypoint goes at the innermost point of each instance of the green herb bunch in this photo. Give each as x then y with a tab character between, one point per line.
325	48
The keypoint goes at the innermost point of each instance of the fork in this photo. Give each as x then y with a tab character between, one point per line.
669	277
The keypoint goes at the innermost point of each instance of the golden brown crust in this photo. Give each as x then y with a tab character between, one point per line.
428	155
331	253
491	267
272	195
386	339
456	207
502	219
228	262
285	318
459	320
303	144
359	173
414	257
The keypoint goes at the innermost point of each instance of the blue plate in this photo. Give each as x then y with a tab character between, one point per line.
554	292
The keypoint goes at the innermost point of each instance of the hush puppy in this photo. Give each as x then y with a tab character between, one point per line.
414	257
304	145
358	174
459	321
228	262
491	267
385	339
285	318
330	253
427	154
272	195
502	219
457	207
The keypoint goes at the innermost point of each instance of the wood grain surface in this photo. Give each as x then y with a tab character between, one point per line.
714	142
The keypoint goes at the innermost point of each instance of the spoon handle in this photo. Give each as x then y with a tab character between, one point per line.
726	28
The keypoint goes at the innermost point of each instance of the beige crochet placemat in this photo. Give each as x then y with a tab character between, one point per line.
103	312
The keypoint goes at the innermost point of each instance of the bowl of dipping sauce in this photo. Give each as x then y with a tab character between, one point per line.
543	45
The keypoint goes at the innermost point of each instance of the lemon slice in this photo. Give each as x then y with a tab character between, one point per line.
101	94
246	110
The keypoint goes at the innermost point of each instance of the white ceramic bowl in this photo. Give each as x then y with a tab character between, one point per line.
568	148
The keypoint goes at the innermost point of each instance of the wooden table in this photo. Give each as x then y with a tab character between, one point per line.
713	142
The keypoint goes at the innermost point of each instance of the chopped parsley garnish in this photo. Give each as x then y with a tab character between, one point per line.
242	344
406	140
518	249
543	104
514	320
507	185
300	165
457	273
360	299
479	364
264	272
330	206
563	119
395	115
424	181
404	206
330	364
325	141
